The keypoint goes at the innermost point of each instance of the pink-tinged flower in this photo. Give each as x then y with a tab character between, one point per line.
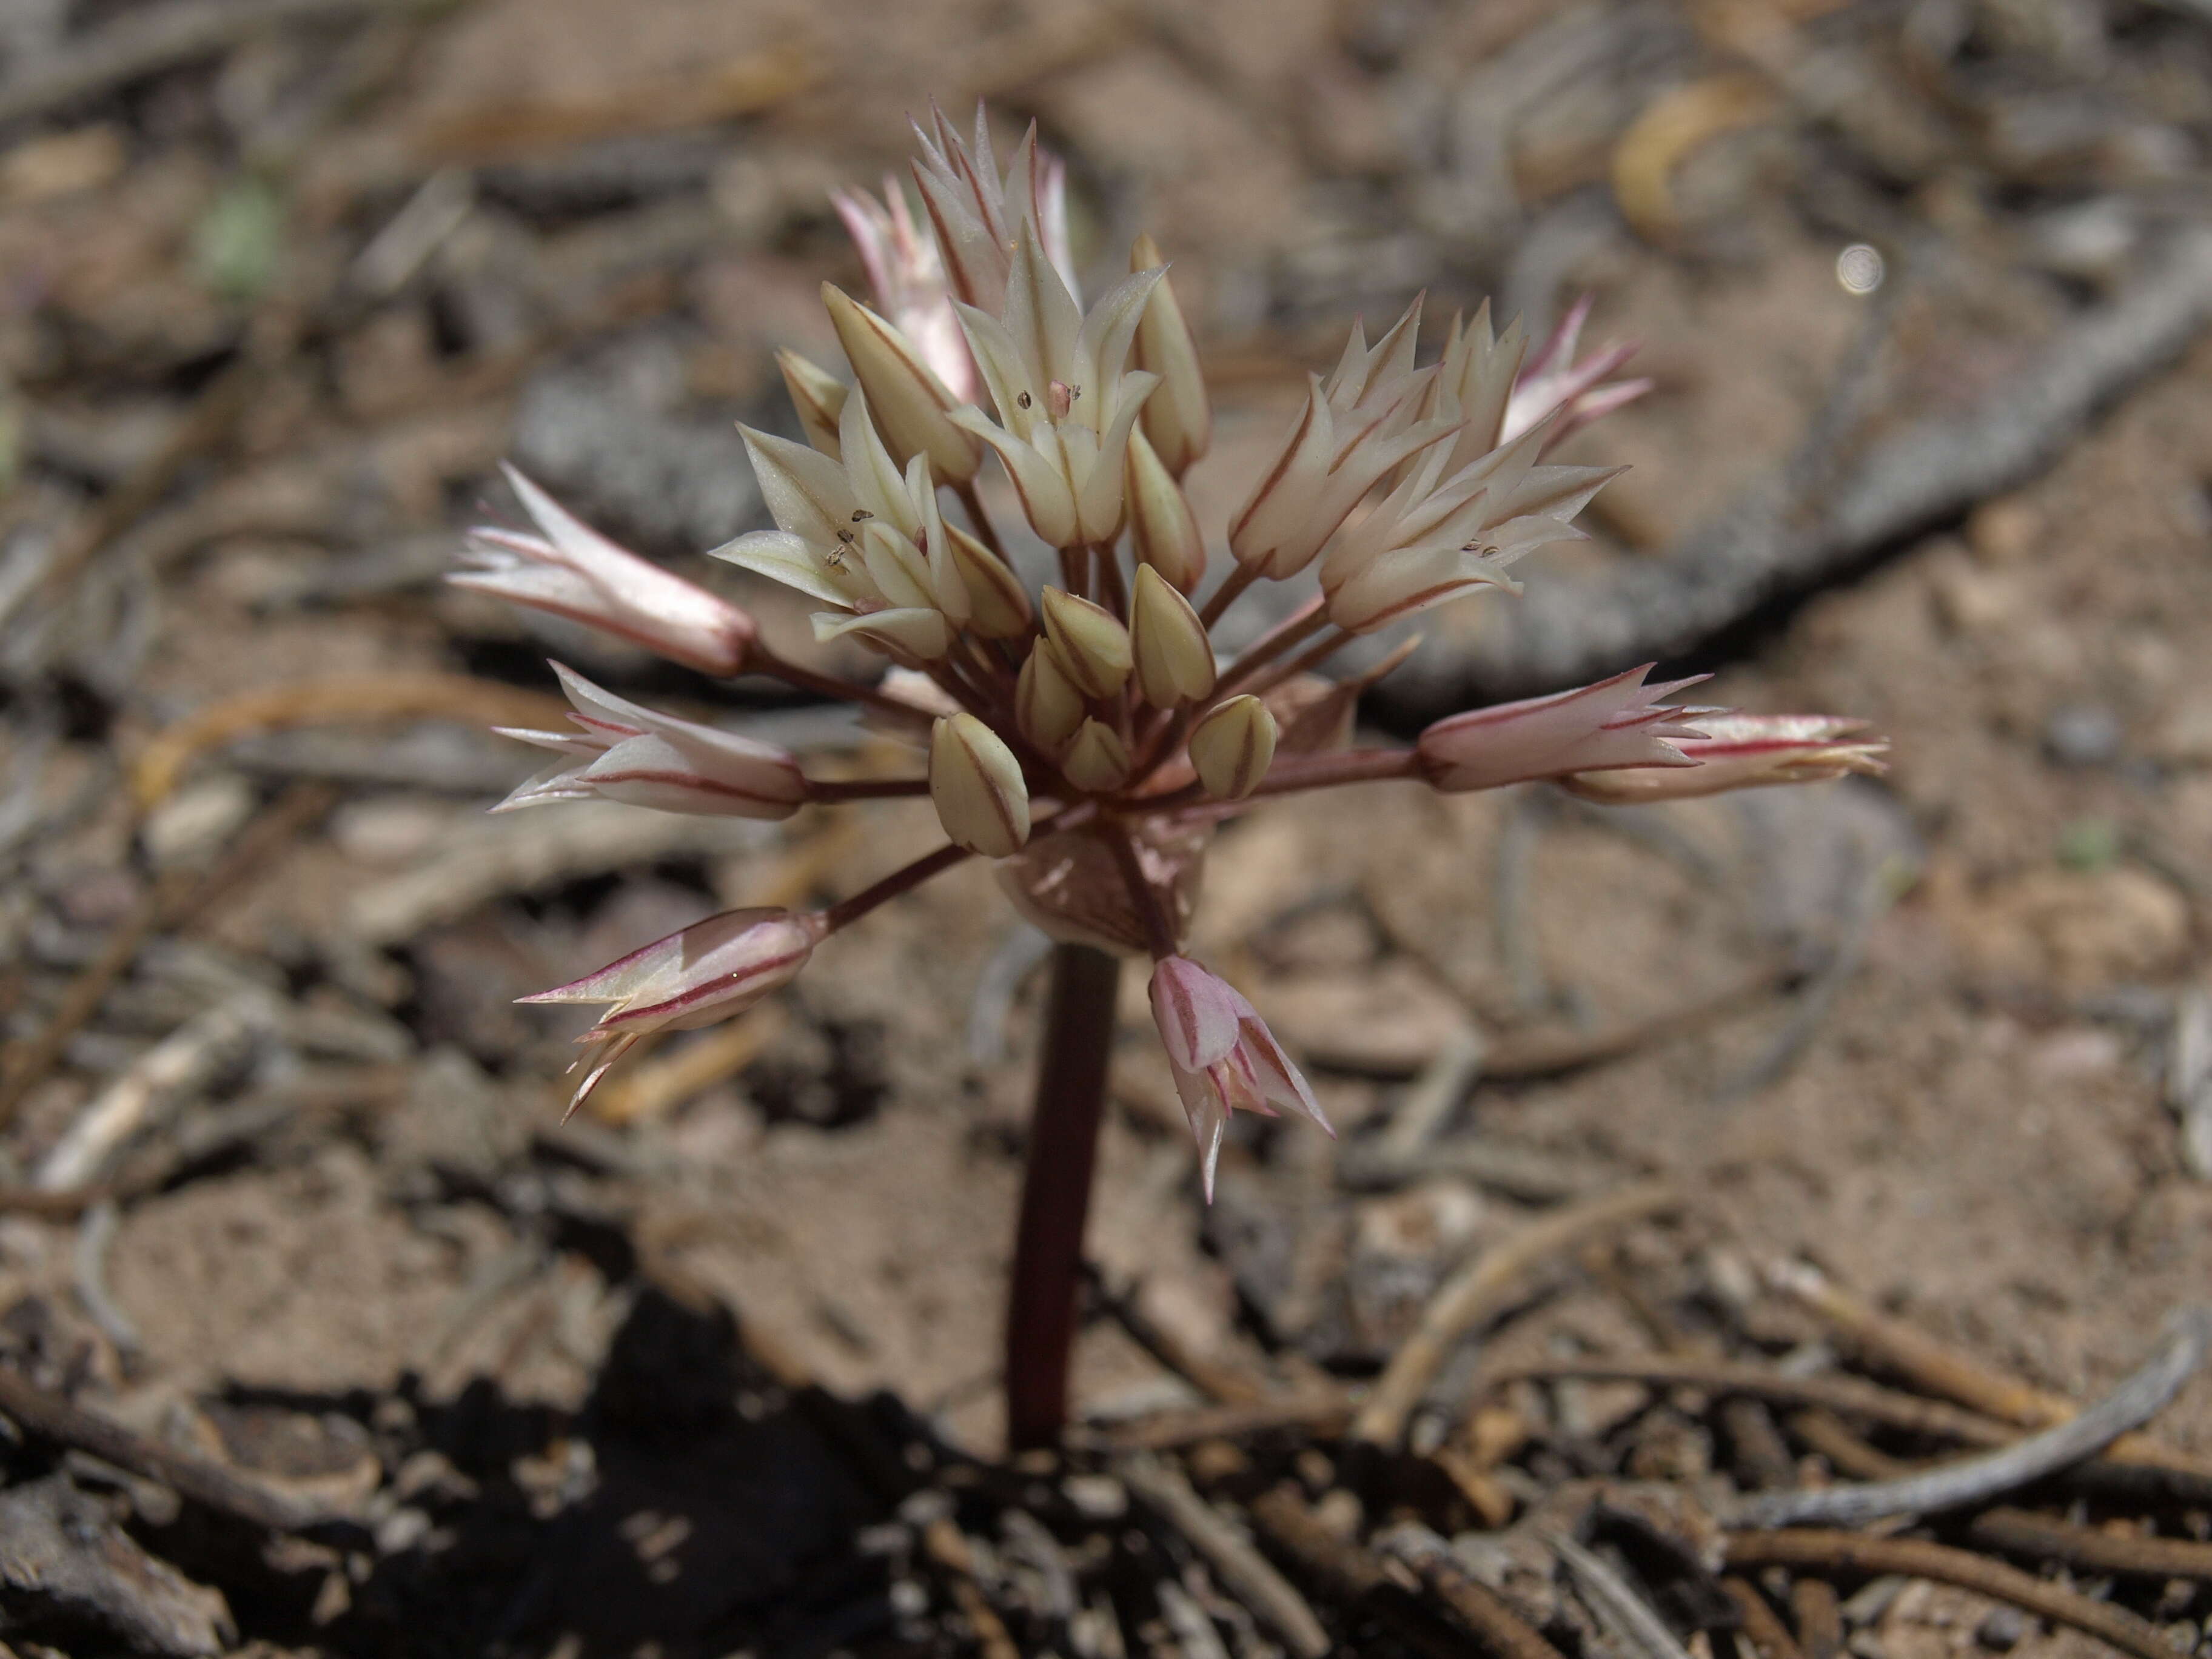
1440	533
1745	751
908	279
1223	1056
1618	723
1552	381
626	753
1360	423
570	570
708	971
978	214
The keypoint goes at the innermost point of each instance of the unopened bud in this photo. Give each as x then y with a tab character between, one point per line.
819	397
1232	747
1174	658
1093	647
1047	702
911	405
1177	418
999	604
1161	525
1098	760
976	785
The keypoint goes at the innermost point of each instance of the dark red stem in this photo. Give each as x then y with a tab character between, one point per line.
1071	1101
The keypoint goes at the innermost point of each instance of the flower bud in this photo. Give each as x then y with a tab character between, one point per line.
912	407
819	397
1161	525
909	635
977	786
1178	419
999	604
1047	703
1098	760
1174	658
1093	647
1232	747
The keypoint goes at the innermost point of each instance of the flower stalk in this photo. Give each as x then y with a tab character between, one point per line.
1042	1302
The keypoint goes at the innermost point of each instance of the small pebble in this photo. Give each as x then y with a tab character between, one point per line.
2082	734
2003	1630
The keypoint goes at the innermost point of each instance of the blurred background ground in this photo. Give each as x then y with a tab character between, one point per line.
281	281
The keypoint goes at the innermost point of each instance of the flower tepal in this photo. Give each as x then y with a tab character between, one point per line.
1222	1057
570	570
620	751
704	972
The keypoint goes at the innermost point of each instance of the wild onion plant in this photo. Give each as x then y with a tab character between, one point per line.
1087	738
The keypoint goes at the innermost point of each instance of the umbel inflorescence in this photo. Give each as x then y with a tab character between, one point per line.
1087	736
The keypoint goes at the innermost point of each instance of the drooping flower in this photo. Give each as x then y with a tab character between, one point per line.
1618	723
571	570
641	757
1065	398
708	971
1745	751
1222	1057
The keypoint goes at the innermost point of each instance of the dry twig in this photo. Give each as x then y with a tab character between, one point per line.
1242	1568
1814	1549
1480	1289
1944	1371
2042	1538
1976	1480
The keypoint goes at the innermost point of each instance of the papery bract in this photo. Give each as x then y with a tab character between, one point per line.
1746	751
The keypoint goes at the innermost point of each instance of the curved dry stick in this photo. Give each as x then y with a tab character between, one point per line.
1619	1610
1944	1371
1816	1550
2017	1532
1851	1395
1978	1479
1483	1287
